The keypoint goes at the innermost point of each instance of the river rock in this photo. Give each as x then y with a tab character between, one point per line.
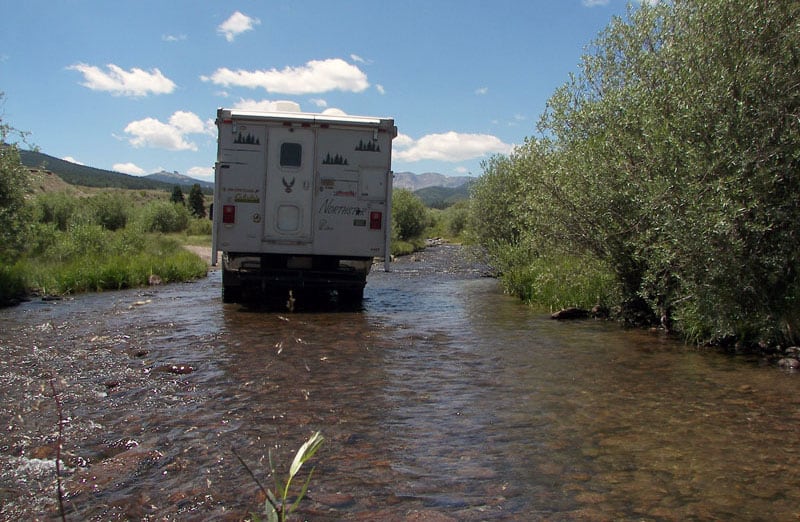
789	363
335	500
570	313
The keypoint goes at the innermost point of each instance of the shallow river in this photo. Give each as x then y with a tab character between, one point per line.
443	399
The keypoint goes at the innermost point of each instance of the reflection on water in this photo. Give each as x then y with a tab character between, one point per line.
442	399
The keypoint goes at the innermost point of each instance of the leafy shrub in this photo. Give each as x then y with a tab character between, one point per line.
109	210
58	208
199	227
164	216
12	283
409	215
13	185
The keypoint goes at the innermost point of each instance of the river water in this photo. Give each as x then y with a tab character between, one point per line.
443	399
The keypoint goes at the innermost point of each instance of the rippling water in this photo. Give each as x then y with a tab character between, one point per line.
442	399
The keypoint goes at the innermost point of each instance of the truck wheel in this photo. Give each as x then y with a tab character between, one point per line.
231	294
351	297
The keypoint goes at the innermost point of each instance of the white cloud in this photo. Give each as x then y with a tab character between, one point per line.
173	37
402	141
380	88
314	77
237	24
358	59
119	82
128	168
151	132
592	3
72	160
187	122
450	146
203	173
481	91
319	102
266	105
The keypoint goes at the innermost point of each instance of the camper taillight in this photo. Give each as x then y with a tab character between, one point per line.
375	220
229	214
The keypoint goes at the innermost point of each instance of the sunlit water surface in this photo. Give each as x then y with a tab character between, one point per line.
443	399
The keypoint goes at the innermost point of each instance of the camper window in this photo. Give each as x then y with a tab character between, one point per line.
291	154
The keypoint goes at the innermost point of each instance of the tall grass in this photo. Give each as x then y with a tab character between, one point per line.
91	258
556	281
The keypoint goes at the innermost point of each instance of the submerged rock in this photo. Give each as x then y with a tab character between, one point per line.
570	313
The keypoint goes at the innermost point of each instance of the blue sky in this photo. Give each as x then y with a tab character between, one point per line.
133	86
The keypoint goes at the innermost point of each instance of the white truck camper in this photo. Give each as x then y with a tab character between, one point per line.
301	202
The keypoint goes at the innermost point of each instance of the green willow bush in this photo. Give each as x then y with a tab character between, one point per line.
163	216
409	215
670	158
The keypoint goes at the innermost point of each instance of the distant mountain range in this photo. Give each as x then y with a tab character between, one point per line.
434	189
414	182
176	178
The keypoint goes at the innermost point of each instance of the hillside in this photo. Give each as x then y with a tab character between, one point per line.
443	197
82	175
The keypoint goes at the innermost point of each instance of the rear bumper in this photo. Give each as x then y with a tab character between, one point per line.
294	273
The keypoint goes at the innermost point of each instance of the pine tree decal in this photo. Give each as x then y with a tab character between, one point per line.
338	159
247	140
369	146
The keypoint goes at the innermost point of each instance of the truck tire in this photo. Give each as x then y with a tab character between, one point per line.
231	294
351	297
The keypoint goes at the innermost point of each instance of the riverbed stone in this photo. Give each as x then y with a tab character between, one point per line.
570	313
428	516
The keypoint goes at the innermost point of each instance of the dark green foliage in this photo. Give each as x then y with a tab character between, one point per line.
109	210
13	186
163	216
57	208
197	202
672	159
177	195
409	215
12	284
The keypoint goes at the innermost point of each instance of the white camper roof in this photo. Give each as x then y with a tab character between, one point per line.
307	117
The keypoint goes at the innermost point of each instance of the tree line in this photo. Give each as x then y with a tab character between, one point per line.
669	160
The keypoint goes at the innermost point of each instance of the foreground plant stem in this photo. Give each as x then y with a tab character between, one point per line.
59	441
